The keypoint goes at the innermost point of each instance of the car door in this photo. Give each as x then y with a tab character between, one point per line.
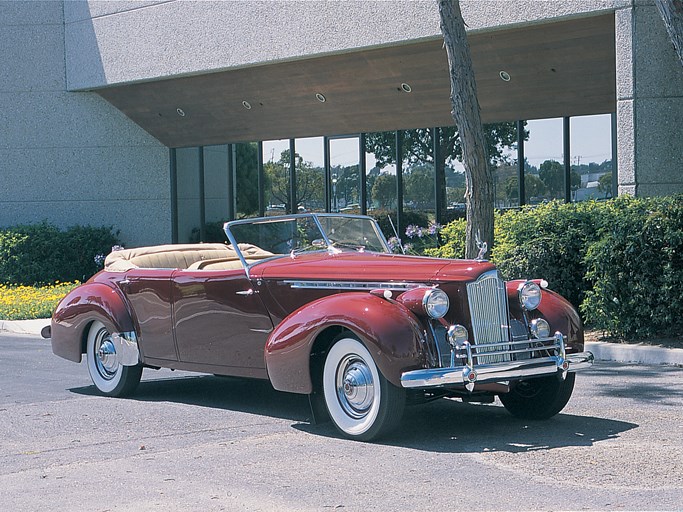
150	295
220	320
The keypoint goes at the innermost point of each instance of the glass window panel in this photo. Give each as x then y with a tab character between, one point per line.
380	162
506	185
454	174
246	180
418	171
276	170
345	175
216	195
310	174
591	157
504	167
544	167
188	190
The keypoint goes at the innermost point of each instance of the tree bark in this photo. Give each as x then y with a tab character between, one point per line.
467	116
672	14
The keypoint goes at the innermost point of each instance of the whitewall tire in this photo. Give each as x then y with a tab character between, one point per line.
109	377
362	404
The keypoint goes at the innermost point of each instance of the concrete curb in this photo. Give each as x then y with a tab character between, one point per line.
620	352
24	326
639	353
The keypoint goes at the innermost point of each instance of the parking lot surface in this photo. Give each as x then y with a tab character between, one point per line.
200	442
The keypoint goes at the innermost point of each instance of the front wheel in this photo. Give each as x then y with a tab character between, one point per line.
539	399
363	405
109	377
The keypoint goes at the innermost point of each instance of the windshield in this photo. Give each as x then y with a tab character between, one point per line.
296	234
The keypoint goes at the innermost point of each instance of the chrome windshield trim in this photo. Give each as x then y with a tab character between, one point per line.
352	285
280	218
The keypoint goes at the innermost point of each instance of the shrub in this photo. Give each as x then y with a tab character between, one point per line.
42	253
635	268
619	261
452	237
547	241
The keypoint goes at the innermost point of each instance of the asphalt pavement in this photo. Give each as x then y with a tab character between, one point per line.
199	442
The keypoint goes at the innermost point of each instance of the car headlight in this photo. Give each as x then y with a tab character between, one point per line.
540	328
435	303
529	295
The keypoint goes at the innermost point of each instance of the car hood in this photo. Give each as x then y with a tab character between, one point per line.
369	266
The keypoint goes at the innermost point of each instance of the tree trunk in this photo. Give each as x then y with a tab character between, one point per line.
672	14
467	116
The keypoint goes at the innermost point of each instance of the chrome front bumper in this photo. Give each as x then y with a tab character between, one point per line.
470	374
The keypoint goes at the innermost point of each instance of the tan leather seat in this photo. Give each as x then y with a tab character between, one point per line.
166	256
184	256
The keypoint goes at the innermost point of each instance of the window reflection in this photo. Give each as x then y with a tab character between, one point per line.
591	157
246	180
344	175
418	171
217	196
543	166
188	193
216	183
310	174
380	164
276	173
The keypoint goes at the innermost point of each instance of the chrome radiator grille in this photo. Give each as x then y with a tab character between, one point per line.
487	299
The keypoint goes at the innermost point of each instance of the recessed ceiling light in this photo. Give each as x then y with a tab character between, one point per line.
246	105
180	111
320	97
504	76
406	87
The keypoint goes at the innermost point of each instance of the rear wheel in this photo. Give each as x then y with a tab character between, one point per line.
109	377
539	399
363	405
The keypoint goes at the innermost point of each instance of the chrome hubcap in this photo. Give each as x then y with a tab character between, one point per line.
355	387
105	356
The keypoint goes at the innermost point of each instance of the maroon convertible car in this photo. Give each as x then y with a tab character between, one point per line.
317	304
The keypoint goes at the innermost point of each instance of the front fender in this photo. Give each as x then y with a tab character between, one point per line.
83	305
557	310
388	330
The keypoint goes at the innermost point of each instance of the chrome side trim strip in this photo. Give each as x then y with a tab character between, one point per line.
496	372
126	346
352	285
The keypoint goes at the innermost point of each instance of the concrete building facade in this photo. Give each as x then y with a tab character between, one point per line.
94	93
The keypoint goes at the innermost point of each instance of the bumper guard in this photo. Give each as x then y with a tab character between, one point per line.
470	374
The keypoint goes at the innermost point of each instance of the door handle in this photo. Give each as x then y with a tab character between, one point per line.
246	292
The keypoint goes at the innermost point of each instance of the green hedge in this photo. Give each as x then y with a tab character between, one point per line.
42	253
548	241
619	261
635	268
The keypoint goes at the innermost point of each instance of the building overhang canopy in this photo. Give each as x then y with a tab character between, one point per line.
544	70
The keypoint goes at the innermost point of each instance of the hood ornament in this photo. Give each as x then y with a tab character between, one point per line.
482	246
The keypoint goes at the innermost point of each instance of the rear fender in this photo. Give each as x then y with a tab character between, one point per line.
82	306
388	330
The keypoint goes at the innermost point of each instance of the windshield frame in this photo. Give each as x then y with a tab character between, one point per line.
330	248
